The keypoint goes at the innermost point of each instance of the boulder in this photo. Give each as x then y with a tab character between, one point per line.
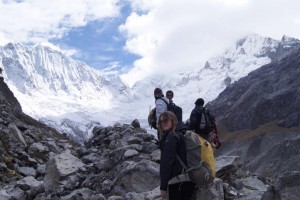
30	184
139	177
58	168
130	153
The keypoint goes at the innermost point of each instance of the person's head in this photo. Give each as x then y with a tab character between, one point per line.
199	102
158	93
169	94
167	121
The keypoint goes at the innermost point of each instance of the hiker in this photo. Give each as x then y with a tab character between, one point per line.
172	144
161	105
200	122
170	95
204	123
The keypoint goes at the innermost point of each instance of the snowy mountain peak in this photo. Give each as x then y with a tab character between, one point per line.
50	84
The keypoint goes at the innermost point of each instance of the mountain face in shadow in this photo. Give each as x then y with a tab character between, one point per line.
270	93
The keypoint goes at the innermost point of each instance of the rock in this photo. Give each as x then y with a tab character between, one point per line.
130	153
286	186
17	134
59	167
30	183
97	130
107	186
238	184
27	171
82	193
155	155
97	197
214	191
134	140
226	165
253	188
90	158
139	177
13	193
104	164
52	146
41	169
115	198
135	123
38	148
151	195
145	136
149	147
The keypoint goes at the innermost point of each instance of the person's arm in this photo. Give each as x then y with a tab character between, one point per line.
168	160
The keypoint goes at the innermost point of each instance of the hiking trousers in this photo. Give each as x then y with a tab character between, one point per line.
181	191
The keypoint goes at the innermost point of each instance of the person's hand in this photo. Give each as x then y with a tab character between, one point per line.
163	194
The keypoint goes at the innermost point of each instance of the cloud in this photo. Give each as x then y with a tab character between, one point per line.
173	35
41	20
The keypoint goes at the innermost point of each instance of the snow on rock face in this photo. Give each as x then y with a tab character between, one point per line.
49	84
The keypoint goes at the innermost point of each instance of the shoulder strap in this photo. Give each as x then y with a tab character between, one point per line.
165	101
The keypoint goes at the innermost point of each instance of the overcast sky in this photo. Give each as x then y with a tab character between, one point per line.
137	38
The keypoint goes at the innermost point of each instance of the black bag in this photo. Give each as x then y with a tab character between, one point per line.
206	121
152	118
175	109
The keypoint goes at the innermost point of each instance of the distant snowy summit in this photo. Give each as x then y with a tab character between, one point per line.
40	73
210	79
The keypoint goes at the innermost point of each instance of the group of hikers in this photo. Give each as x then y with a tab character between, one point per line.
178	180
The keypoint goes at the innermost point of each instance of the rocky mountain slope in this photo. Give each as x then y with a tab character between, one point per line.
259	117
270	93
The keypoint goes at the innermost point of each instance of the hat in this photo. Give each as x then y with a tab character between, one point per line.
199	102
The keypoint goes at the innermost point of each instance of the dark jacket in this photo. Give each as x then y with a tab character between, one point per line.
171	144
195	119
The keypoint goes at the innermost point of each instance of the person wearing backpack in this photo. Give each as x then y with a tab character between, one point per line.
161	105
201	119
172	145
170	95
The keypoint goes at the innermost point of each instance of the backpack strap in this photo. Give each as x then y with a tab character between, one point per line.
164	101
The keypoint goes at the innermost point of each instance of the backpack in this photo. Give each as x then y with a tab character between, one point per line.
152	118
206	121
174	109
200	168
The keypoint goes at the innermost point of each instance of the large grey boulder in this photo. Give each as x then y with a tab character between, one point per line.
58	168
139	177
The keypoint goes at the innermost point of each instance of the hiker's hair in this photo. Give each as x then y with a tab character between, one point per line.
167	115
170	91
199	102
158	93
